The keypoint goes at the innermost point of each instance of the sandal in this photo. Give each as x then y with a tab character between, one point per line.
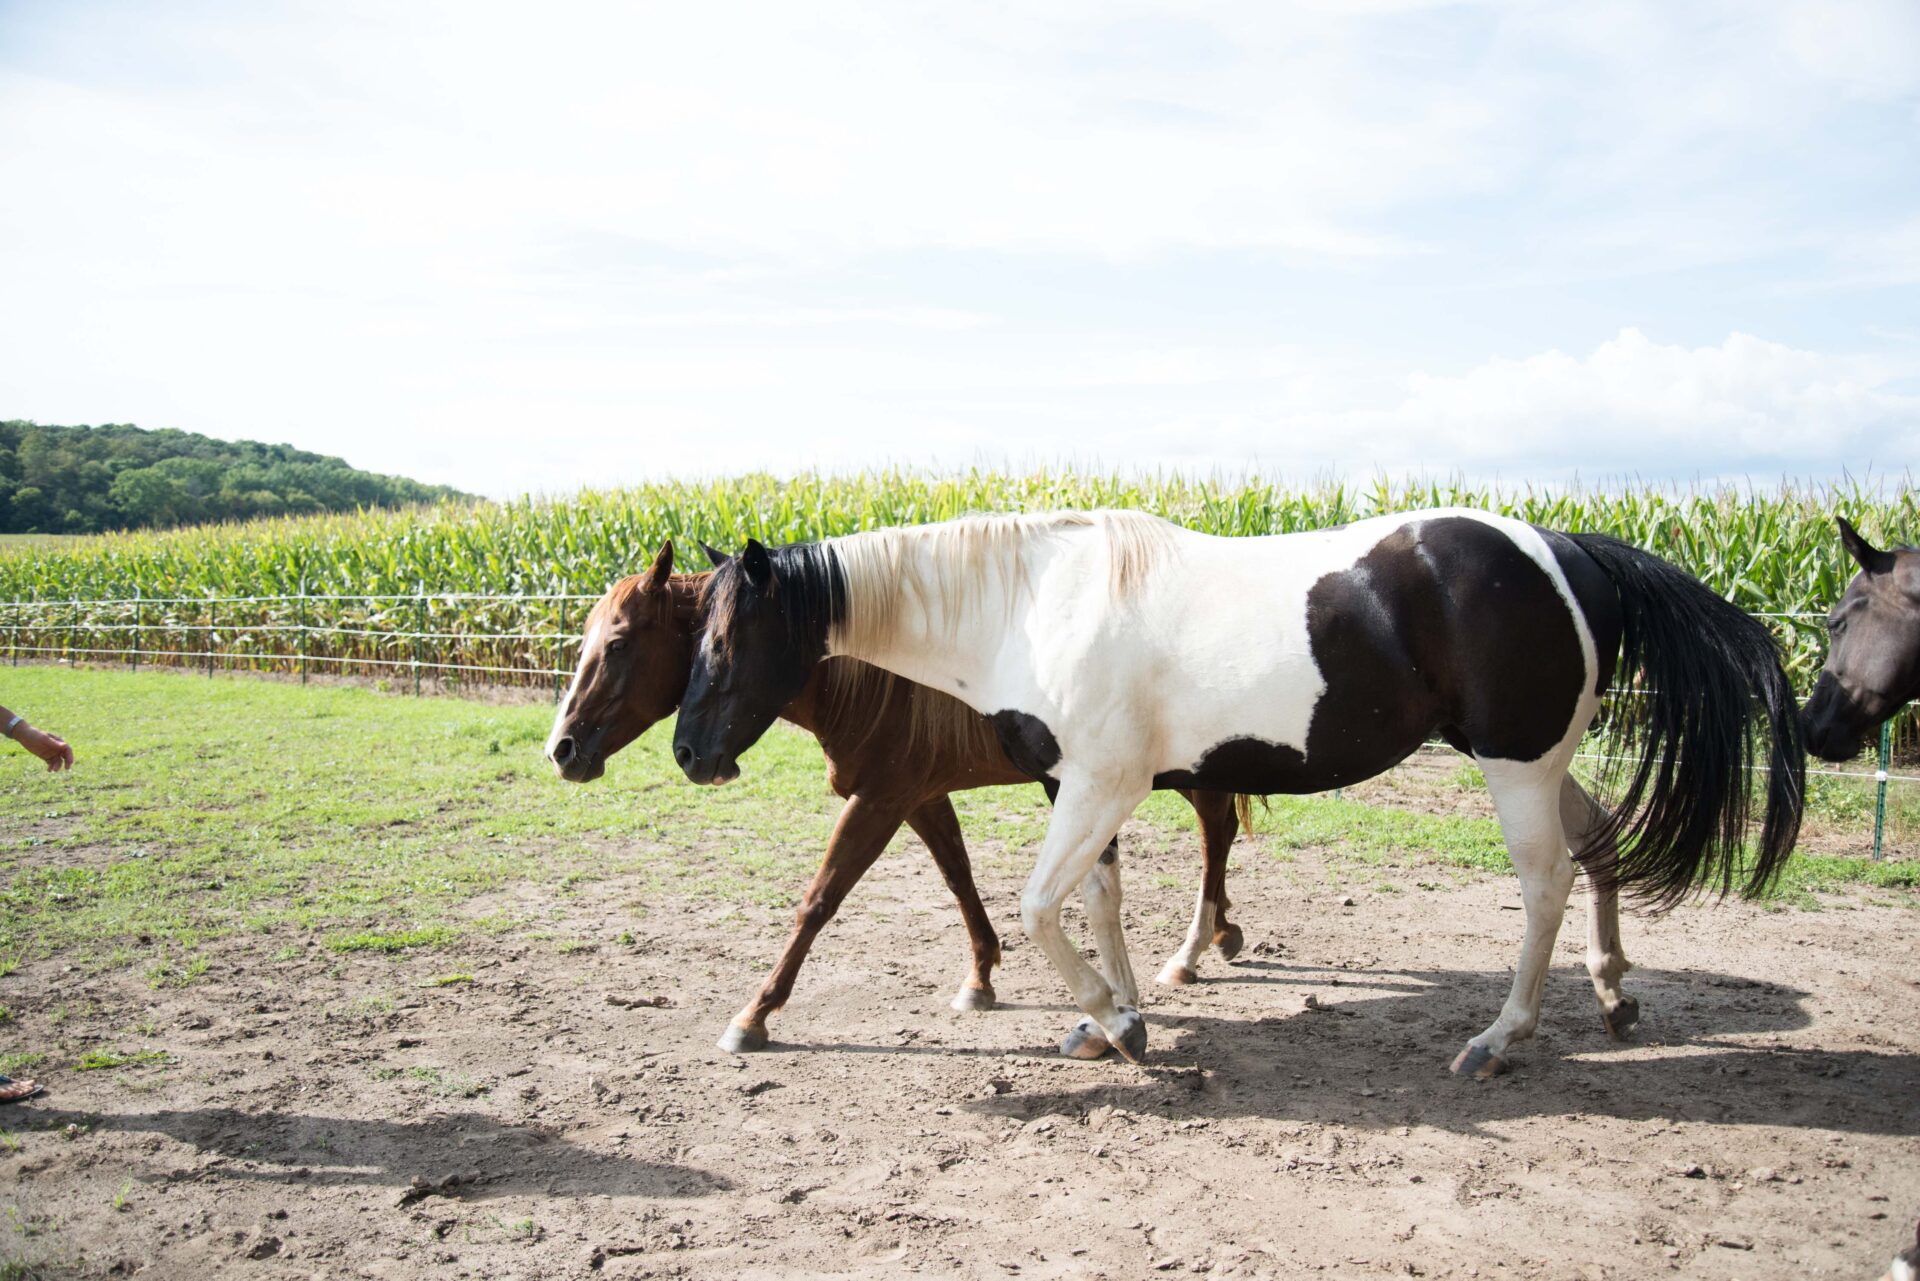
12	1091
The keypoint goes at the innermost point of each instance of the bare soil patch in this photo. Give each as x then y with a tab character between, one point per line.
562	1112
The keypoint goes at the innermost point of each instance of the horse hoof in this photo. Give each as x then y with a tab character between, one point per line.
743	1040
973	998
1622	1018
1177	975
1132	1041
1086	1041
1478	1062
1228	942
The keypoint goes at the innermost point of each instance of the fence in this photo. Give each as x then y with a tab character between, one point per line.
484	639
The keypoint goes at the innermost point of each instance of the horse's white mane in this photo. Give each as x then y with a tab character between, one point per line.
941	566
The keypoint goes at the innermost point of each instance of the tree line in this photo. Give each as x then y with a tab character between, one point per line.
84	480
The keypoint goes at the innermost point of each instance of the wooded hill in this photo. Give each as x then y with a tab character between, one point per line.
82	480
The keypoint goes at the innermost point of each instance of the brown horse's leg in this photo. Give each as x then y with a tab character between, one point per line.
937	825
1218	826
861	834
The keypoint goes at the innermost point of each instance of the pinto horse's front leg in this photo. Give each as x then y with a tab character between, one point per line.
1086	814
1100	892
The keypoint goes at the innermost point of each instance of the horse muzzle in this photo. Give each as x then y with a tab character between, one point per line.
578	759
714	769
1834	727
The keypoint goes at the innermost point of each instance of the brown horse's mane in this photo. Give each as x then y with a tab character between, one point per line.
852	694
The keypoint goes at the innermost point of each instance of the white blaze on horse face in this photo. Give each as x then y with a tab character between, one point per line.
596	633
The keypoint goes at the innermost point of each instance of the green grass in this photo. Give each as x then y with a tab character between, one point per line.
102	1060
381	825
394	941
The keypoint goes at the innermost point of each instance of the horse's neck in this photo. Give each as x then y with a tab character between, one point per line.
947	638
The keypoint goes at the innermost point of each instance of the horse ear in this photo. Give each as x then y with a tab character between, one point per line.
1863	552
662	568
758	564
714	554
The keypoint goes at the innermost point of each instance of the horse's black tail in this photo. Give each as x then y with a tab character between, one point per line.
1710	684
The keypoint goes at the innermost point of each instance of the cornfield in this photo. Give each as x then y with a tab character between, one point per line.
345	590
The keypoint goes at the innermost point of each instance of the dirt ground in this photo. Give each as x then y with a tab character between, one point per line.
565	1114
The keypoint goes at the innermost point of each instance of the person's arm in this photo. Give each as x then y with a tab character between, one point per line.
50	748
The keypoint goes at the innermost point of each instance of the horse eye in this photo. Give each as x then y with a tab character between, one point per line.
617	645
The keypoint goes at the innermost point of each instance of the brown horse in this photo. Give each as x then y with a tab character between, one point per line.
895	751
1873	650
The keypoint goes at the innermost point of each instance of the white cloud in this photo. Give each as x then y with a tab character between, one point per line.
1637	407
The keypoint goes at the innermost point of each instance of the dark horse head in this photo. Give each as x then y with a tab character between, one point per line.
768	616
634	661
1873	651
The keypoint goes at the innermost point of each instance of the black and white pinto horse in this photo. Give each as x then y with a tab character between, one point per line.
1117	653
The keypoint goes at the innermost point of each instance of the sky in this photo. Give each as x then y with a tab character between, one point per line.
534	248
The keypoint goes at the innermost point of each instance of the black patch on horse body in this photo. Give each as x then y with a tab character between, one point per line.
1242	765
1446	622
1445	625
1027	741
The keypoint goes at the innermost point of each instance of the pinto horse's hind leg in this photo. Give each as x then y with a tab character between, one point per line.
1218	826
1527	796
861	833
1086	813
1607	962
936	824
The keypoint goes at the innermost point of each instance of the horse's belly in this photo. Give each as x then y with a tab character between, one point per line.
1256	766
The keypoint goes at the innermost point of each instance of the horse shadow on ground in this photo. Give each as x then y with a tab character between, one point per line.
484	1156
1374	1049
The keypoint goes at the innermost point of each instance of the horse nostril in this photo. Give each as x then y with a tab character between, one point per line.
563	751
684	755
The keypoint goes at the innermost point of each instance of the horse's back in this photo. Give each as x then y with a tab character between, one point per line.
1307	661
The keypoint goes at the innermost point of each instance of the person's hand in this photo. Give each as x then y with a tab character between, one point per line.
50	748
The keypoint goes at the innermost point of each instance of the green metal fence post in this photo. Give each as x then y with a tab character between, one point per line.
419	626
302	633
213	628
1880	790
133	656
560	652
